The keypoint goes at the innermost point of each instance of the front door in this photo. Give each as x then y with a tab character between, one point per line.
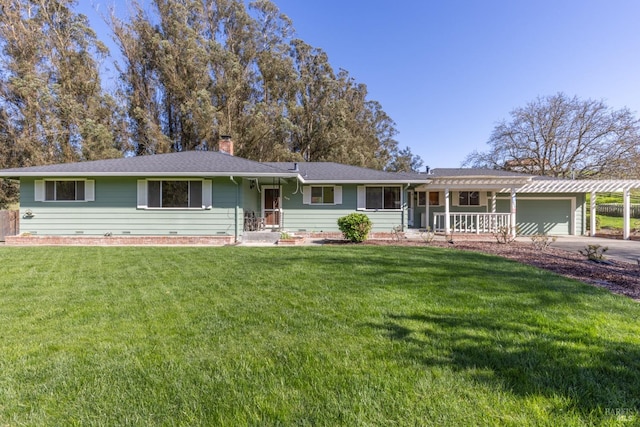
271	211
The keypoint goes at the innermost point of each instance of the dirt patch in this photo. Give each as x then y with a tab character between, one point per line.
617	234
619	277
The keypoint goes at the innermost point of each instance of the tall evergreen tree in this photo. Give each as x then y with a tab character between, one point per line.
197	69
52	115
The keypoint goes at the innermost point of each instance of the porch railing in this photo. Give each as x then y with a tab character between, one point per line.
472	222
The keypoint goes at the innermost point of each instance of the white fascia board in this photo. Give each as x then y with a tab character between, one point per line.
148	174
358	182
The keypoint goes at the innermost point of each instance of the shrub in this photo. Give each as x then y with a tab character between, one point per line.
504	235
594	252
542	241
355	227
396	233
427	235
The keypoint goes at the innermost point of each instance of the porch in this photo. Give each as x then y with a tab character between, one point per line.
471	222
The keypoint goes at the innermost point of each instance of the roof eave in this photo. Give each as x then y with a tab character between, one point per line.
360	181
151	174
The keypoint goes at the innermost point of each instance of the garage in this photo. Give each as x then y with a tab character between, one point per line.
551	217
542	215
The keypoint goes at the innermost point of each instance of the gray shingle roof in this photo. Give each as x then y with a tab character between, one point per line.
214	163
173	164
469	172
336	172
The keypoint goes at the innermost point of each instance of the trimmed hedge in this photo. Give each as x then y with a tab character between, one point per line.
355	227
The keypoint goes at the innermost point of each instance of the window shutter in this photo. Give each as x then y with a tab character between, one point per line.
337	195
306	195
142	193
39	190
89	190
362	197
207	196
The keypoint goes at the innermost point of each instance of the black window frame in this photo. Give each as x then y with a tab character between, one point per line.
64	190
385	198
174	194
324	195
469	198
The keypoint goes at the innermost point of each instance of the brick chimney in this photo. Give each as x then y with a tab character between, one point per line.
225	145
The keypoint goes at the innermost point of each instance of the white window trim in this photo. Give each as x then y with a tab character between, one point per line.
207	201
40	192
440	198
337	195
362	198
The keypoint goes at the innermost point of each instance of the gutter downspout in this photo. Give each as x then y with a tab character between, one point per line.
235	216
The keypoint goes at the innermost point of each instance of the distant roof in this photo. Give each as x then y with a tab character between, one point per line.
329	172
469	172
186	163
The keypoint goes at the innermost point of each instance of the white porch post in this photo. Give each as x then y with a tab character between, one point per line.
447	220
626	213
592	226
493	202
426	213
513	212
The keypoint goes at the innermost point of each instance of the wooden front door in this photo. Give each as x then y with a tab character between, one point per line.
271	210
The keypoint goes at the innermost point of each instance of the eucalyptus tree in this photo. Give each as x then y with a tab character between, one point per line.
54	105
564	137
140	85
311	111
405	161
197	69
266	131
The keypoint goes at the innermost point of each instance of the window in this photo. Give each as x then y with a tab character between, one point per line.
322	195
64	190
375	198
469	198
434	198
174	194
422	198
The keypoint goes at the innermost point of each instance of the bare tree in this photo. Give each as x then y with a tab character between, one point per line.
564	137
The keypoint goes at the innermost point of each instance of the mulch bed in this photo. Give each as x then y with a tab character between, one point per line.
619	277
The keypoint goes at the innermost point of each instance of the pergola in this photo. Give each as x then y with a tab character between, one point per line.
514	185
593	187
497	184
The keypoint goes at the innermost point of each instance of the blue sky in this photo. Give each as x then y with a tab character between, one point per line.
447	71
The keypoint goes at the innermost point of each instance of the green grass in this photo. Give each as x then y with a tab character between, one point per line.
616	197
614	222
611	222
352	336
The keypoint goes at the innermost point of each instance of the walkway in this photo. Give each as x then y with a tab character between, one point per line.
619	250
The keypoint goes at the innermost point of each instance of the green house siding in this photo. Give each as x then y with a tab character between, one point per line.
297	216
115	211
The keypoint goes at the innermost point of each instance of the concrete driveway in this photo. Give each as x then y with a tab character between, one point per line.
619	250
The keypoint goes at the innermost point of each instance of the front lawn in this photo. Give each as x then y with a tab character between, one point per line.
343	335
